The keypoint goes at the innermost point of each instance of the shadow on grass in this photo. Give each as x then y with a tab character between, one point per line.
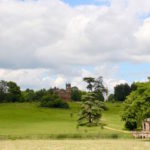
61	136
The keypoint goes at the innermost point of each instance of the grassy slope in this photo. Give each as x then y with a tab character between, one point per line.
112	117
27	120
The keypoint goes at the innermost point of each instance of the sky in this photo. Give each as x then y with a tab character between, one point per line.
47	43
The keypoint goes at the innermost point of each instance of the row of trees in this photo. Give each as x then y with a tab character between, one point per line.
10	92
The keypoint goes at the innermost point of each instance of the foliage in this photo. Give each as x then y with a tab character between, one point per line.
3	90
53	101
76	94
90	110
10	92
121	91
99	89
96	86
28	95
14	93
137	106
90	82
133	86
39	94
111	98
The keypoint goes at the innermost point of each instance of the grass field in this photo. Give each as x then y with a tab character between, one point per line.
74	145
29	121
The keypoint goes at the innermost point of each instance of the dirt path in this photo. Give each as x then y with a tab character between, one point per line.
122	131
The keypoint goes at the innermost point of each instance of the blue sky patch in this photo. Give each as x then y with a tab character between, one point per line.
86	2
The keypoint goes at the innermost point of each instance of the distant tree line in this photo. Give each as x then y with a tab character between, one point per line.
11	92
121	91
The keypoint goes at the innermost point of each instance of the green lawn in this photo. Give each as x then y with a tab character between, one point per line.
28	120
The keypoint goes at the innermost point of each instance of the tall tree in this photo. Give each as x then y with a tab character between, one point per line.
121	91
90	110
91	106
90	81
3	90
75	94
99	89
14	92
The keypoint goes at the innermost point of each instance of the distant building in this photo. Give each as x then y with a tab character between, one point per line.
145	133
65	94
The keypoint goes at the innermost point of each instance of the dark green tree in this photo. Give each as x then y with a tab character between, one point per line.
97	86
76	94
40	93
14	92
53	101
91	106
3	90
90	81
99	89
91	110
121	91
29	95
133	86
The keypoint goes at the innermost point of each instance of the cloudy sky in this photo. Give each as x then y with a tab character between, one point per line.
45	43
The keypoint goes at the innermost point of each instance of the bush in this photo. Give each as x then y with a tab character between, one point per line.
131	124
53	101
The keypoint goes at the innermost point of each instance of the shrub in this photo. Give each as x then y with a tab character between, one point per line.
53	101
131	124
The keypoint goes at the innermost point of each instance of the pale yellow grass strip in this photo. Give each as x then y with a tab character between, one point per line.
75	145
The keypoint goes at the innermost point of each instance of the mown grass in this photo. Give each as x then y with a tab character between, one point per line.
29	121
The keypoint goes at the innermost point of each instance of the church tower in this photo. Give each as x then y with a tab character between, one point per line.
68	91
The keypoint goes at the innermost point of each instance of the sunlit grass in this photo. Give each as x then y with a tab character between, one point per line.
29	121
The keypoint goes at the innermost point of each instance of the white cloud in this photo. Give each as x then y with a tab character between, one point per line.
64	40
33	78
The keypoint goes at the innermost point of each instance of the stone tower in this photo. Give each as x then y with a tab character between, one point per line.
68	91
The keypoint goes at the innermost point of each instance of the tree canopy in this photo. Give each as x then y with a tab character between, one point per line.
137	106
121	91
90	110
76	94
92	104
